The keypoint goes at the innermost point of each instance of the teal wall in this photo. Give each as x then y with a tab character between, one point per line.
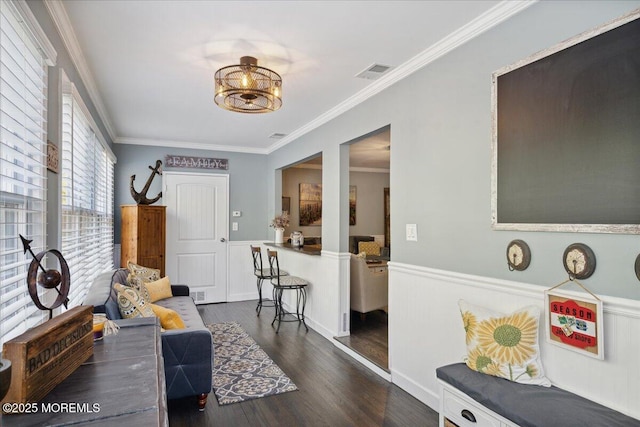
440	121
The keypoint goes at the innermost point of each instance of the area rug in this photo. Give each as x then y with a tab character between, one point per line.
241	369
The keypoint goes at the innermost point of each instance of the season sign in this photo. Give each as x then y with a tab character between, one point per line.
572	323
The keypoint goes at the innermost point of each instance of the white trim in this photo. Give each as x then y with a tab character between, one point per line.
494	16
363	361
63	24
612	305
188	144
421	393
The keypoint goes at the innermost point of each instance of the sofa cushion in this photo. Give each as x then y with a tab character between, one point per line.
186	309
169	319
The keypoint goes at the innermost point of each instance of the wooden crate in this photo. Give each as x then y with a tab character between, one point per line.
45	355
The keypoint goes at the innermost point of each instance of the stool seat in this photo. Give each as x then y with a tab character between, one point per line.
288	281
265	273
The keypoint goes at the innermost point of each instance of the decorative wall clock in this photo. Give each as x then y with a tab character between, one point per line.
579	261
518	255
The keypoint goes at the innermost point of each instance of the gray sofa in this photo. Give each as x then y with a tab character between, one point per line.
187	353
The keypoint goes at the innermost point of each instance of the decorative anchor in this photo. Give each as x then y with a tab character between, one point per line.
141	198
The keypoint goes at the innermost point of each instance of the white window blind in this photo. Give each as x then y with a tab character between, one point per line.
87	196
23	89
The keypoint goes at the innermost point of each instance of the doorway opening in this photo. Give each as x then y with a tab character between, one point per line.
370	246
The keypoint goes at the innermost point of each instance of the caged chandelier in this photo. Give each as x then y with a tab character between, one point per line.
248	88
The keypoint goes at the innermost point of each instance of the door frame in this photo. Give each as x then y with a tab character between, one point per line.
226	216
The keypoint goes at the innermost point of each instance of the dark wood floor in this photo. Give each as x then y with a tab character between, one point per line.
333	389
370	337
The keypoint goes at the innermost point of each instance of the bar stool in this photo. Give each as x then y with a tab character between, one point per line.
282	283
261	274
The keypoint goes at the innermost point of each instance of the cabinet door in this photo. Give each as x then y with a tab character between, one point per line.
465	413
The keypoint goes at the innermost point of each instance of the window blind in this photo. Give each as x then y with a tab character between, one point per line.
87	196
23	89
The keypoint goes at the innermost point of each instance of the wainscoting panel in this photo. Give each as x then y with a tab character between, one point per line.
241	283
426	331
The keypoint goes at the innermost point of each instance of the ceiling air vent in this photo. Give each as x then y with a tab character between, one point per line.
373	72
277	135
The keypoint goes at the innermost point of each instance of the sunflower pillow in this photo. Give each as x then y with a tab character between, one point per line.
504	345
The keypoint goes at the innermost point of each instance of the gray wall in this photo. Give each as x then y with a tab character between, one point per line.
441	157
247	184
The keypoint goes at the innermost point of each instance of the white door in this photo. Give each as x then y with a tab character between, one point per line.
197	227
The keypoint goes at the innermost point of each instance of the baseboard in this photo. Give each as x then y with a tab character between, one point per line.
247	296
424	395
363	361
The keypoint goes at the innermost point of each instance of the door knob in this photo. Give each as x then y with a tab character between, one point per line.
223	240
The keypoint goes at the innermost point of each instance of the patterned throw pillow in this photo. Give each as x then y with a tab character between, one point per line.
504	345
148	274
131	304
138	283
371	248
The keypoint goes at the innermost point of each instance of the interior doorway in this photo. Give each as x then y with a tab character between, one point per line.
370	246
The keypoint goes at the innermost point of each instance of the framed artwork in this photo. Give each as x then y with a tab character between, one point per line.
575	323
286	204
310	204
52	157
352	205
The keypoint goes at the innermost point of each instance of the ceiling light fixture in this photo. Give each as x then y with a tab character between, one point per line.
248	88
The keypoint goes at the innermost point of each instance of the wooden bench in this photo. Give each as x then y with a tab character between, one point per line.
469	398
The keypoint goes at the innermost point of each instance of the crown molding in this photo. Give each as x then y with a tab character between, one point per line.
189	144
65	29
494	16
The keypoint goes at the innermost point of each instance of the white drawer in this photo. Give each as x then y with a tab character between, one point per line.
454	406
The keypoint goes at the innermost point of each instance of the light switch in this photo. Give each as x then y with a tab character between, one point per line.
412	232
234	226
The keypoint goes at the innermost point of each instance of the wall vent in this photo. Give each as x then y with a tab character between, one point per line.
198	296
374	71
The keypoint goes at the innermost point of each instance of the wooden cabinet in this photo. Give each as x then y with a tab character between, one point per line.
459	410
143	235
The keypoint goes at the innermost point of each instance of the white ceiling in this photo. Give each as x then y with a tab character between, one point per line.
149	65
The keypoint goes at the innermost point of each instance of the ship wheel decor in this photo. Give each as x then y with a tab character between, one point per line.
48	279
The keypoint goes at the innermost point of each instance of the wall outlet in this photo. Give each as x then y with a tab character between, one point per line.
236	213
234	226
412	232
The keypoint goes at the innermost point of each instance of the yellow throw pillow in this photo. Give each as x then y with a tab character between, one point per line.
131	304
160	289
169	319
504	345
